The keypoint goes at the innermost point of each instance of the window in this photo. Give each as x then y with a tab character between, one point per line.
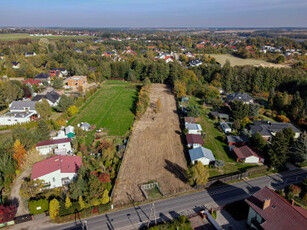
53	179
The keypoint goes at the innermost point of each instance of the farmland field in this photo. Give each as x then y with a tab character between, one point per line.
221	58
16	36
155	151
111	107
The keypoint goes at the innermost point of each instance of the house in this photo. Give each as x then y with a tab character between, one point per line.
55	73
59	146
76	81
193	128
200	46
268	211
226	128
185	99
168	59
194	140
52	98
62	71
244	97
247	155
57	171
84	126
107	54
195	62
189	120
30	54
70	131
236	141
42	77
15	65
189	54
268	129
204	155
20	112
32	82
221	91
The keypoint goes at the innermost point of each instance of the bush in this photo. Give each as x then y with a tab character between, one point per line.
182	219
214	214
35	204
219	163
72	209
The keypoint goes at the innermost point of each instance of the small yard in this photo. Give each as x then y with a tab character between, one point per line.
111	107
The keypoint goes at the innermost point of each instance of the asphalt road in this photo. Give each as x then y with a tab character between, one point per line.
133	218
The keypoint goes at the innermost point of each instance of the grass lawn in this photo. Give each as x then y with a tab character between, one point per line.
221	58
16	36
111	107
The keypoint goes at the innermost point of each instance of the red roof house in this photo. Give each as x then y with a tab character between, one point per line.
32	81
57	171
58	146
270	211
247	155
194	140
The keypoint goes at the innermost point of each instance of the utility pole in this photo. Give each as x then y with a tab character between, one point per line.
152	214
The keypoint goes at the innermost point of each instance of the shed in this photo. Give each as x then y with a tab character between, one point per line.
204	155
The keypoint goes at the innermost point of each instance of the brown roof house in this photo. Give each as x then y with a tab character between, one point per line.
194	140
76	81
269	211
247	155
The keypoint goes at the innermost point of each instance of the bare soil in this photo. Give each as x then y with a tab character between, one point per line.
155	151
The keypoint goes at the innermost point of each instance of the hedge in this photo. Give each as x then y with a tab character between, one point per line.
75	207
34	204
83	213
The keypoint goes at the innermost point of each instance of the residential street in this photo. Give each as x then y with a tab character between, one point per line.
133	218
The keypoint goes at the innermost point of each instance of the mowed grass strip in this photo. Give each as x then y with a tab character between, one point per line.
111	107
16	36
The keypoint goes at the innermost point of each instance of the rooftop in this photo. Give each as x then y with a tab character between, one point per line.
266	128
67	164
279	214
237	139
53	142
245	151
239	96
201	152
194	139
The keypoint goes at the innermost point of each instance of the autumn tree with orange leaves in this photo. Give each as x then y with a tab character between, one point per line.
19	153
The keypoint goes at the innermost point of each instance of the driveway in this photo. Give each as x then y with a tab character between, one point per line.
15	195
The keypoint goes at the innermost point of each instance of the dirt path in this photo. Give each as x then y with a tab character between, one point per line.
15	196
155	151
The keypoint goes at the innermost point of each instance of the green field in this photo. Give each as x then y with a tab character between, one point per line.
16	36
221	58
111	107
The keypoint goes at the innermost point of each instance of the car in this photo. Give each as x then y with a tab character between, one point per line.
203	214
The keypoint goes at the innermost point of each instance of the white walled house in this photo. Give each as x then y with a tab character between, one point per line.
245	154
57	171
226	128
194	140
20	112
201	154
58	146
193	128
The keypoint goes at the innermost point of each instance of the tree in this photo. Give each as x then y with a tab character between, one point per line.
239	110
296	107
198	174
43	108
54	208
32	157
253	109
57	83
211	93
295	190
258	142
192	111
280	59
298	150
43	131
81	203
64	103
19	153
105	197
180	88
95	189
278	151
31	188
7	213
236	125
72	110
67	202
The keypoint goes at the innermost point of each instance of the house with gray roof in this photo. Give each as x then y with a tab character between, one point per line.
239	96
20	112
226	128
268	129
193	128
202	154
52	98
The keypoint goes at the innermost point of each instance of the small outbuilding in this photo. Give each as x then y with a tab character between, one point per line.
247	155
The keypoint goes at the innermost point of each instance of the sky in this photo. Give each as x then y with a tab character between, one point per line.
153	13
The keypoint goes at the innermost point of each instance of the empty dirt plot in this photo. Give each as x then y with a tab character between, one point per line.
155	151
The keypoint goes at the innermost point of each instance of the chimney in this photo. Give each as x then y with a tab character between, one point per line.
266	203
292	202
